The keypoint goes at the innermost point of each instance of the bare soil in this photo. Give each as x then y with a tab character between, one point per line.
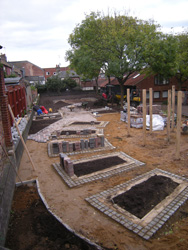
85	168
70	205
40	124
33	227
141	198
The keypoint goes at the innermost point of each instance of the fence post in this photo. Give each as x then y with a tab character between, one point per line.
144	115
169	115
173	106
178	131
151	108
128	111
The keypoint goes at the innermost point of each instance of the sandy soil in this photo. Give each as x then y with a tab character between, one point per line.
70	205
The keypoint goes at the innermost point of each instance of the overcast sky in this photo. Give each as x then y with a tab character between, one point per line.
38	30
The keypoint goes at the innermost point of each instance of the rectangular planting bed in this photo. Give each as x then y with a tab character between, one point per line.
97	167
69	133
145	203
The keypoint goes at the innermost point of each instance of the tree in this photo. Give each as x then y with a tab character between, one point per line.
161	55
85	56
55	84
182	58
84	64
124	46
121	45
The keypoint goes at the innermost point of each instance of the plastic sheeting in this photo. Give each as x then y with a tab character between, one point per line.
157	122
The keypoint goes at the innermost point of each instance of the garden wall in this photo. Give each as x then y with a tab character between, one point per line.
7	182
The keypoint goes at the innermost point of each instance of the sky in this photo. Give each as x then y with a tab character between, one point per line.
38	30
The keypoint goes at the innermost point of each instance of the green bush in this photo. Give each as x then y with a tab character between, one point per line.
55	84
41	88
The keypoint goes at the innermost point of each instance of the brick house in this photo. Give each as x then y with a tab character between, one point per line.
49	72
31	72
62	72
159	85
71	74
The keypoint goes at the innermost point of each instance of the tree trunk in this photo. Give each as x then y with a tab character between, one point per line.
97	86
122	93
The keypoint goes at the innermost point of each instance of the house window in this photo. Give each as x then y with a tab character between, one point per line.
55	73
165	94
156	94
147	95
47	73
160	80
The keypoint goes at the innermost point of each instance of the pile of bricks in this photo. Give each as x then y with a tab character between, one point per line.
136	121
66	164
67	147
156	109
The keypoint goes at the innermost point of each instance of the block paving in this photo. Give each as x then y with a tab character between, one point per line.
107	146
156	218
118	169
79	134
45	134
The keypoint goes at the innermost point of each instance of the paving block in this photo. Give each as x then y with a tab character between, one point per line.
60	147
86	144
77	146
55	148
99	141
71	146
92	142
62	156
68	165
67	146
82	144
64	145
96	142
102	141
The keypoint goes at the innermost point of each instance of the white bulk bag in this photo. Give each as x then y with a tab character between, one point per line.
157	122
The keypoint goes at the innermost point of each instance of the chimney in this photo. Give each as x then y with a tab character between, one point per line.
57	68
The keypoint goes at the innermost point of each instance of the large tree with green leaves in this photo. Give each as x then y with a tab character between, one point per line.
121	45
85	56
182	58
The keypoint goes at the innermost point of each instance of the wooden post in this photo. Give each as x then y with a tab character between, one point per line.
128	112
144	114
151	108
169	114
12	115
178	131
173	106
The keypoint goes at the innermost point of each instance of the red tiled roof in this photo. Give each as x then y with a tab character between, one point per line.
133	79
103	81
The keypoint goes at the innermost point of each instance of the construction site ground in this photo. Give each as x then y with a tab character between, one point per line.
70	205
